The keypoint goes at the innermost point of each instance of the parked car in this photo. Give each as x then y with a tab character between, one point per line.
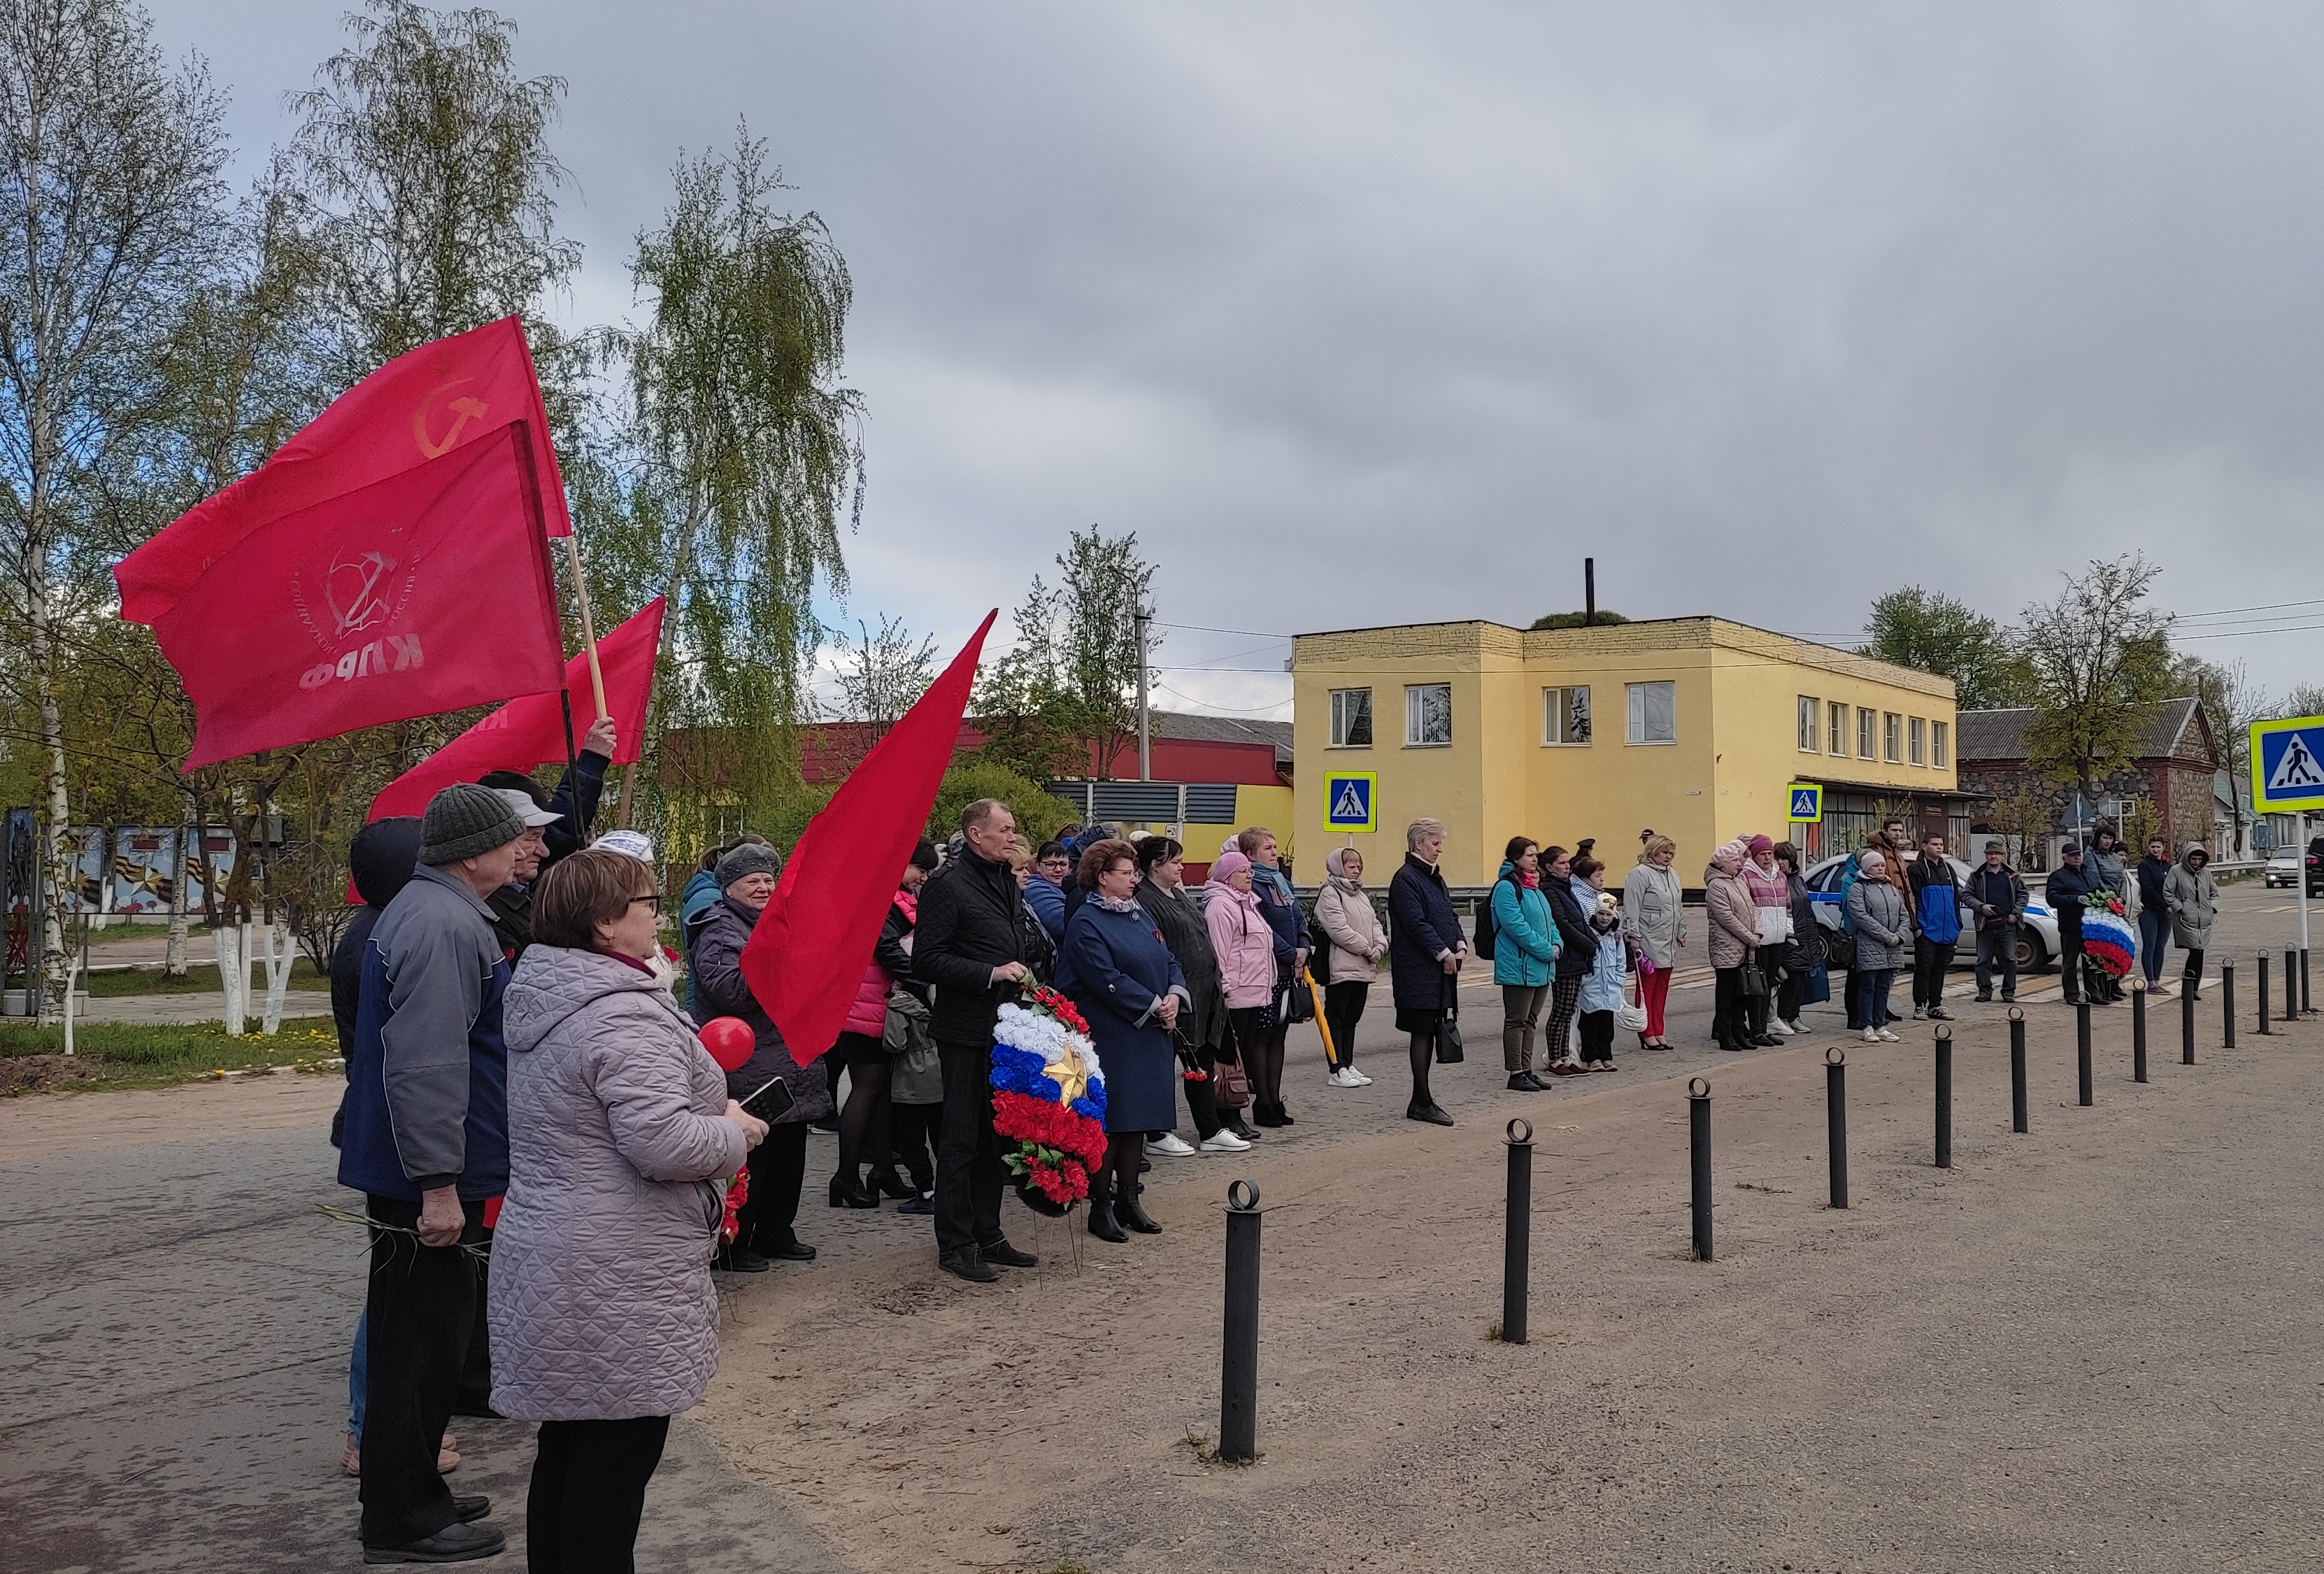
2037	937
2283	866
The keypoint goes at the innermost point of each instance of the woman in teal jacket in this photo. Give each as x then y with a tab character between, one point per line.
1525	948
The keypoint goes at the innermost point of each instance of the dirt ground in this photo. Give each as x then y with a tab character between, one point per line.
2094	1345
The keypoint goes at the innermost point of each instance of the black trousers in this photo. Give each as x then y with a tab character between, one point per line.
1597	1036
913	1130
2192	978
1792	993
1930	961
588	1494
1202	1100
969	1172
765	1221
418	1317
2069	961
1343	1007
1997	944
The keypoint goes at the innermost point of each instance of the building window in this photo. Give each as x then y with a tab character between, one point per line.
1865	723
1940	744
1811	714
1892	739
1427	715
1917	733
1653	712
1565	716
1352	718
1838	728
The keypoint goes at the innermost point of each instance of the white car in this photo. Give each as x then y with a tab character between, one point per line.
2037	937
2283	868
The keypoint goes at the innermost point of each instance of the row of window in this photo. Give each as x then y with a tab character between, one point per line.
1882	734
1650	716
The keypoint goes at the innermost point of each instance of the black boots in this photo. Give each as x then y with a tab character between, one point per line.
1101	1200
1114	1191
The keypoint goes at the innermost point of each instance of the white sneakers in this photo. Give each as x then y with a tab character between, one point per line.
1888	1038
1871	1036
1347	1077
1795	1025
1170	1146
1780	1028
1223	1141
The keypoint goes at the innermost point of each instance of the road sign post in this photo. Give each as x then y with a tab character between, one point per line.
2287	768
1351	802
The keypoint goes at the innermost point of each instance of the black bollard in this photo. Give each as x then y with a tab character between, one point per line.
1835	1107
1238	1352
2082	1047
2264	1029
2017	1071
1945	1097
2138	1031
2291	987
2187	1024
1516	1257
2227	1003
2306	1008
1698	1123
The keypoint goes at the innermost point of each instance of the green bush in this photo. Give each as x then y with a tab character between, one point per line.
1039	813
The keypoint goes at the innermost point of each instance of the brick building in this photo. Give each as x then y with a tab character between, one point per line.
2177	771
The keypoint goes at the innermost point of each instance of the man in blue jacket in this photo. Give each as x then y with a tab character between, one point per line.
1936	927
426	1141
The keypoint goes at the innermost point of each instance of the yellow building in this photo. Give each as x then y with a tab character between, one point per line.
1693	727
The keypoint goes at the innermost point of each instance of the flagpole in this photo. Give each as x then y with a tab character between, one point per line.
589	625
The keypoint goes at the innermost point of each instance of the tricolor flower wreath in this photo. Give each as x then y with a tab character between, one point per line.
1048	1098
2107	937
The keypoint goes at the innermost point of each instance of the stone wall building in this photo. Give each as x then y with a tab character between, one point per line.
2176	771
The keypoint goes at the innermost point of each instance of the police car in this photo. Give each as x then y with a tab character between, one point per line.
2037	936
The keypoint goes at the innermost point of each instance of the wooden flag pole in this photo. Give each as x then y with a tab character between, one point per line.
588	626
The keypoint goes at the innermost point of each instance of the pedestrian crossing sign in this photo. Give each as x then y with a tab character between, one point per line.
1352	800
2287	763
1807	802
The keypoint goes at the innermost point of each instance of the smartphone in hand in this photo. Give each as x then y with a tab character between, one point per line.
769	1102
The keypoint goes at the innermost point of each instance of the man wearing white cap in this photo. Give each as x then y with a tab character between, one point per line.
512	905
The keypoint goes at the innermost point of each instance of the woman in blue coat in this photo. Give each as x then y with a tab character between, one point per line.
1525	949
1425	948
1118	971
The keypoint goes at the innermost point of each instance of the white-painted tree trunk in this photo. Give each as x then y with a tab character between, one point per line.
282	950
173	956
72	982
233	978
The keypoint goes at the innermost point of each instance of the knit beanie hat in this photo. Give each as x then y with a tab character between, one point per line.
750	858
1759	844
463	820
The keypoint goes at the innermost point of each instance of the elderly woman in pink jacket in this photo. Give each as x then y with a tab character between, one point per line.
1245	944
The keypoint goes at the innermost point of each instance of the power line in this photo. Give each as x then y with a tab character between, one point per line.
1238	710
1204	628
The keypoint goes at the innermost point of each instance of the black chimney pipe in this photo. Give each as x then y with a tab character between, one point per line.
1589	592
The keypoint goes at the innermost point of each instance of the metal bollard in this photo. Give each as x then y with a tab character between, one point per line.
1238	1352
2187	1026
2306	1008
2082	1047
1698	1123
2138	1030
2227	1003
1516	1257
2017	1070
2264	1029
1835	1106
1945	1097
2291	987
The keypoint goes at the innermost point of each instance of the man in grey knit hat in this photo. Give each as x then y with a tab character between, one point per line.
426	1141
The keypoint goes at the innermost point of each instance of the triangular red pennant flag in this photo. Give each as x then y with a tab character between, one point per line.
523	733
422	405
807	953
423	593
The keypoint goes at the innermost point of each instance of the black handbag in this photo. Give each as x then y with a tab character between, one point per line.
1755	982
1449	1051
1301	1006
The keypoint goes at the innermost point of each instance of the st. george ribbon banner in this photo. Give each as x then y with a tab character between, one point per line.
426	592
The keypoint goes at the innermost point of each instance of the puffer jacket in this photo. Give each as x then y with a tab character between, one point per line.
1601	986
1524	934
1352	927
868	1013
600	1302
1245	944
714	959
2193	897
1653	914
1730	916
1875	917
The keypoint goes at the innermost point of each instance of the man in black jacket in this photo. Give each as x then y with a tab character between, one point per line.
2066	887
1996	895
969	942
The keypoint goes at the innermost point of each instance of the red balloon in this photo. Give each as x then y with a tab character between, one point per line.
730	1041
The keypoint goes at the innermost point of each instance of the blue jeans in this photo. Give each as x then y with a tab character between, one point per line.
1871	988
358	1369
2153	942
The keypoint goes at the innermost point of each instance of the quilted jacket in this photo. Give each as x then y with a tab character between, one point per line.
600	1301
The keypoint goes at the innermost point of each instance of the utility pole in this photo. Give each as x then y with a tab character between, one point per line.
1145	729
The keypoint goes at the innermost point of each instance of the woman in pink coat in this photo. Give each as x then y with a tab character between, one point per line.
1245	944
862	1048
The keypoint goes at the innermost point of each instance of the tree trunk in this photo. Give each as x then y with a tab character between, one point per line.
54	963
173	956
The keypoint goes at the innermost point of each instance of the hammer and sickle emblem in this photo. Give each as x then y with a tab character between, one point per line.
464	409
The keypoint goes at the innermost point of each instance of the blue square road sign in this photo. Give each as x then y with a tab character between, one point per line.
2287	759
1352	800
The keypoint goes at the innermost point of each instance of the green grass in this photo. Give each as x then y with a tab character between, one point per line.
200	978
108	1055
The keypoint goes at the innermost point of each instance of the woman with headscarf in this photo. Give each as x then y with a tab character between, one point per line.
1202	1025
1876	917
1654	915
1245	946
2192	896
1733	919
1427	947
1352	945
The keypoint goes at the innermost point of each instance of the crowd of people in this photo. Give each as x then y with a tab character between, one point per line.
547	1150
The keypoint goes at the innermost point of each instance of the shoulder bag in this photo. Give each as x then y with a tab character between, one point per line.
1448	1051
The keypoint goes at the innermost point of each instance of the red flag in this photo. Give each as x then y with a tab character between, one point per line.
524	732
421	593
421	406
809	951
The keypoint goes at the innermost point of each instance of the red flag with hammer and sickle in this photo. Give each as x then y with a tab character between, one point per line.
421	406
421	593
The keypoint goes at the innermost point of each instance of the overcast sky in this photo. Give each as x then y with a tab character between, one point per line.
1363	314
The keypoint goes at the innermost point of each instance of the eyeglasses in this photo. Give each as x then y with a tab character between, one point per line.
652	897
